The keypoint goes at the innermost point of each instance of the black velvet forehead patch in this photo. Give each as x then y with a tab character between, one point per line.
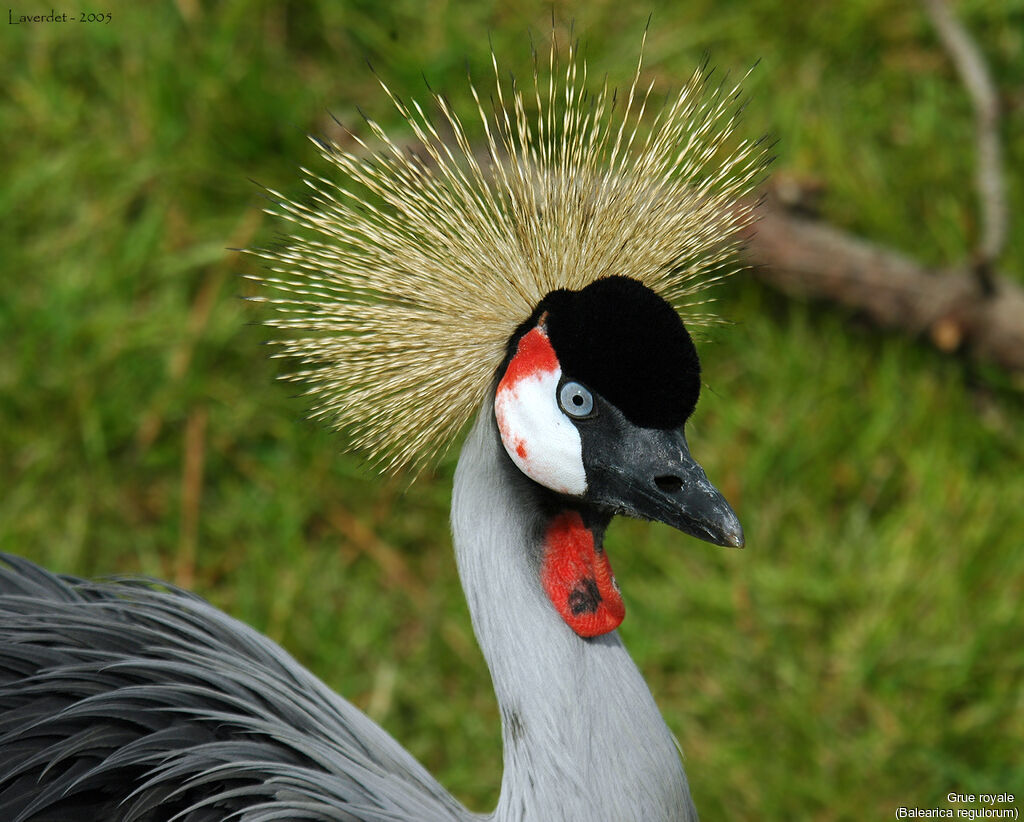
619	338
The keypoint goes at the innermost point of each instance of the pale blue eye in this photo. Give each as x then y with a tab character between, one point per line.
576	401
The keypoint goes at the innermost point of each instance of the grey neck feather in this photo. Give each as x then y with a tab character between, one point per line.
583	738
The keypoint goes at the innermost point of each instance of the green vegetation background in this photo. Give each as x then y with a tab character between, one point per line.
866	650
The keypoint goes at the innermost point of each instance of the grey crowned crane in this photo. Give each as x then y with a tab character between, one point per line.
418	288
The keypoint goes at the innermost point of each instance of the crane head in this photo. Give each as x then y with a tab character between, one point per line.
398	286
592	402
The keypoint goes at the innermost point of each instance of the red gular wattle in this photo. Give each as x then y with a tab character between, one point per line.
578	579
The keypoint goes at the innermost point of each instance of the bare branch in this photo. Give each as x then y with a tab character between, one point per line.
810	259
970	64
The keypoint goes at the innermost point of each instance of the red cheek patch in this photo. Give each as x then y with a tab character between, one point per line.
533	354
578	578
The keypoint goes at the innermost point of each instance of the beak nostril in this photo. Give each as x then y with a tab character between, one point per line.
669	483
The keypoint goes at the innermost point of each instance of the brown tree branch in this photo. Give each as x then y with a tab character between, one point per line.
970	63
808	258
967	307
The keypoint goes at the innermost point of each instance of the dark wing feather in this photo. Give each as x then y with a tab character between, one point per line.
140	702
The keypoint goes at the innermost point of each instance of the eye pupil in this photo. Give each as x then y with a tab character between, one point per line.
576	400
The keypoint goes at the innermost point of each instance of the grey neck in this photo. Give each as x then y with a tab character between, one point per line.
583	739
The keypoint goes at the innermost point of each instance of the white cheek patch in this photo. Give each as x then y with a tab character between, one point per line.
536	433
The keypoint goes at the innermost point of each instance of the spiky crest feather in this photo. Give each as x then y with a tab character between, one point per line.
406	276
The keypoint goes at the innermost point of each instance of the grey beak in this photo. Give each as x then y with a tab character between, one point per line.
649	474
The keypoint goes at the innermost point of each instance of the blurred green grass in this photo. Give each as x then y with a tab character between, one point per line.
866	651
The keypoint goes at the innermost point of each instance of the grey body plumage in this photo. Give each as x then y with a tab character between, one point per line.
122	701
